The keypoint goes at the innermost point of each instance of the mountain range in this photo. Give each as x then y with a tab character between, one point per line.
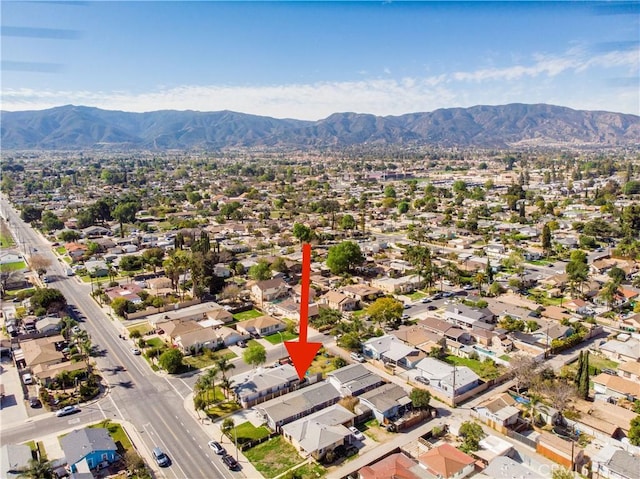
514	125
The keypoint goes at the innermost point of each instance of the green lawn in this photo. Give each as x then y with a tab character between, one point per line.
483	369
6	240
248	432
253	342
61	250
154	342
252	313
310	471
595	362
416	295
143	328
279	337
205	360
222	409
13	266
322	363
273	457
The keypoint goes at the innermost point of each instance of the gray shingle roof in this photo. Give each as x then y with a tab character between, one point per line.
80	443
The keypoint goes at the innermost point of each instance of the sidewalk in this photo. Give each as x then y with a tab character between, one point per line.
212	429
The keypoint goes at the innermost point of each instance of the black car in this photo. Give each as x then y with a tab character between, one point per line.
230	462
34	402
241	344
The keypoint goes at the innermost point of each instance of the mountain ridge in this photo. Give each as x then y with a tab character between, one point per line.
71	127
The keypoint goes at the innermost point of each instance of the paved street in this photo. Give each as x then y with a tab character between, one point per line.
153	404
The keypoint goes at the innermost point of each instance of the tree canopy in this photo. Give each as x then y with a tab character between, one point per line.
385	310
171	360
343	257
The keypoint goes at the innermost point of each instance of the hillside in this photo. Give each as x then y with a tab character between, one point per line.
72	127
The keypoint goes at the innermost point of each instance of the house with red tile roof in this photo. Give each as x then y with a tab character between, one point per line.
447	462
393	467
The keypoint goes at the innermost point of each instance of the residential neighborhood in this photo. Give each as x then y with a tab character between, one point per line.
474	313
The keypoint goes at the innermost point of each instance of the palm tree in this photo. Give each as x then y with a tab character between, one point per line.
67	324
37	469
212	375
535	406
223	366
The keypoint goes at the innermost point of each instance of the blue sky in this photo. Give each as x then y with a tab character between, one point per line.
309	59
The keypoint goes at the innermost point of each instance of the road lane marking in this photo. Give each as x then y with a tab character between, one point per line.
116	406
174	388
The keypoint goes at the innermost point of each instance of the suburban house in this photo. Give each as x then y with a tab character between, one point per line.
338	301
624	348
46	373
416	336
498	412
361	292
49	325
268	290
374	348
444	377
261	384
603	420
404	284
91	445
467	317
447	462
321	432
353	380
630	370
503	467
386	402
40	351
14	458
396	465
400	354
230	336
621	465
285	409
219	316
195	340
262	326
616	387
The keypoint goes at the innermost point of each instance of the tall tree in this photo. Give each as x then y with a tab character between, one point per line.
385	310
255	355
125	213
344	256
546	239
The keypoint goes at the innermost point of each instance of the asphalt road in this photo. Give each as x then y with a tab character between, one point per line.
154	404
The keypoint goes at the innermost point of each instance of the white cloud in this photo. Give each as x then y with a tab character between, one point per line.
534	83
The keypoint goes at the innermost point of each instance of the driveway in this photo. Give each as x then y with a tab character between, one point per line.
14	408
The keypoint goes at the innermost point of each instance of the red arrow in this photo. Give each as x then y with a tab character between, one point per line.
302	352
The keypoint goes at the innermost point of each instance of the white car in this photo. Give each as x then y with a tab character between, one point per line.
65	411
356	433
135	351
217	448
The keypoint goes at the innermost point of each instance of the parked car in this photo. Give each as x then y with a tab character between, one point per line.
230	462
34	402
217	448
426	300
431	307
135	351
241	344
27	378
447	294
422	379
357	357
65	411
161	458
356	433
